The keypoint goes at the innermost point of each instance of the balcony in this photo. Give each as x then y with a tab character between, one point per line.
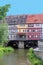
21	37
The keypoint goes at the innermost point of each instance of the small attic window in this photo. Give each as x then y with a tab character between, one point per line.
37	24
30	25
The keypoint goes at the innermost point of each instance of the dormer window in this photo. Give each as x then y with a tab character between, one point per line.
30	25
37	24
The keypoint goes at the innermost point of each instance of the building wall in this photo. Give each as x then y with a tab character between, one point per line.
25	32
25	27
12	30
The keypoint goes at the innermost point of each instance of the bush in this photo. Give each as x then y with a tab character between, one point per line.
8	49
5	50
31	54
33	59
1	53
36	62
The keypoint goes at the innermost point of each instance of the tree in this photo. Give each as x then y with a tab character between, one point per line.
3	10
3	33
3	25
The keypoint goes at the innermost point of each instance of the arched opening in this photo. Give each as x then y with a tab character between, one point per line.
13	44
30	43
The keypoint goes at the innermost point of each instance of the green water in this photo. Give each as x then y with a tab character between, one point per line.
19	57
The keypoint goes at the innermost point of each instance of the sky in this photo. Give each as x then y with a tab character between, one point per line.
24	6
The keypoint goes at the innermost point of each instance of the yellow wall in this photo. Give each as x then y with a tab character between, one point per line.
21	26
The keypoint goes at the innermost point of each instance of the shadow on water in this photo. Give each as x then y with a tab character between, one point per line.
19	57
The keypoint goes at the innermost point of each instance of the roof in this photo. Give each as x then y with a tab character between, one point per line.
19	19
16	19
38	18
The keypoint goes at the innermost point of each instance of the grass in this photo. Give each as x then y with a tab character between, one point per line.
33	58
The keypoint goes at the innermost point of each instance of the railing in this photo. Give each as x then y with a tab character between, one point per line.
20	38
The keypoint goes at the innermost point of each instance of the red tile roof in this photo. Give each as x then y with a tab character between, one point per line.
38	18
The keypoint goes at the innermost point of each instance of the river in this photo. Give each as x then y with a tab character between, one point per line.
19	57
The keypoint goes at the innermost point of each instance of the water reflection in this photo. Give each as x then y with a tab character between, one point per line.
19	57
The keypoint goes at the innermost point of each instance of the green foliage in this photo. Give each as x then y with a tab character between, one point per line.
5	50
8	49
3	33
1	52
3	26
3	10
33	59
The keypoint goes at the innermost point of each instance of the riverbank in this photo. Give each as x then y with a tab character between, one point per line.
33	58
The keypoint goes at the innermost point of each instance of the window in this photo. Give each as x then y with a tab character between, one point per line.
14	21
30	36
22	36
37	24
10	32
24	30
27	30
21	20
11	27
35	30
22	25
14	31
30	25
30	30
36	36
10	37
